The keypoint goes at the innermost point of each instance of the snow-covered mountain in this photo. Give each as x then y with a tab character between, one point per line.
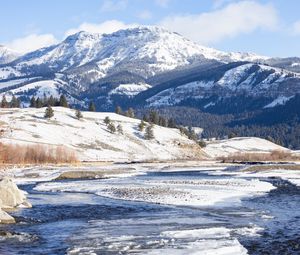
7	55
145	66
145	51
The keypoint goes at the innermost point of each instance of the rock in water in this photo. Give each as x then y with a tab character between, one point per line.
5	218
10	197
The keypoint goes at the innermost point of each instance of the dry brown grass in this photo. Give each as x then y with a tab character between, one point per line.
276	155
35	154
80	175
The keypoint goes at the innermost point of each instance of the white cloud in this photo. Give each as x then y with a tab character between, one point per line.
162	3
106	27
220	3
31	42
228	22
296	28
112	6
36	41
145	15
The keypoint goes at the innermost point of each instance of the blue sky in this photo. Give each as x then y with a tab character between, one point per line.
265	27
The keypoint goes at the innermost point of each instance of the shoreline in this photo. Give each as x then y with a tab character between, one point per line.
103	170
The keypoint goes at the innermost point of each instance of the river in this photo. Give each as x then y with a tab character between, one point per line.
121	216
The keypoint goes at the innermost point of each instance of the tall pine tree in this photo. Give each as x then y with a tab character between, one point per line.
4	103
130	113
92	107
149	134
15	102
118	110
33	102
39	103
51	101
63	101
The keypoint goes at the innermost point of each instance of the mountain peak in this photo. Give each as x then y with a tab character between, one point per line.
7	55
142	29
82	35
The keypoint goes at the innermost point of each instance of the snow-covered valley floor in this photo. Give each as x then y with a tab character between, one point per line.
157	209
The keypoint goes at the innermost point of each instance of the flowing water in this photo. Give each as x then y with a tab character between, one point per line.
85	223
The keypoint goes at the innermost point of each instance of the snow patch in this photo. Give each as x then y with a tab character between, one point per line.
281	100
130	89
220	148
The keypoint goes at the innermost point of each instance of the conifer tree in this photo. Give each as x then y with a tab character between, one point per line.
45	101
92	107
4	103
39	103
120	129
192	135
78	114
118	110
33	102
145	118
130	113
14	103
51	101
111	127
142	125
18	103
107	120
49	113
171	123
149	134
63	101
162	121
154	117
184	131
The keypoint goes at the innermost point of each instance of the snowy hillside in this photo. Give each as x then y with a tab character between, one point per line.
7	55
252	79
38	88
90	138
220	148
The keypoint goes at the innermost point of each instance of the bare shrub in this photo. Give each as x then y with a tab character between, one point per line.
35	154
276	155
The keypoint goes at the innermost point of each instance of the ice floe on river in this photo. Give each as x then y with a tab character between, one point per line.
186	192
204	241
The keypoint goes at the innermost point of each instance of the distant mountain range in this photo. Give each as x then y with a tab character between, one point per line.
149	67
